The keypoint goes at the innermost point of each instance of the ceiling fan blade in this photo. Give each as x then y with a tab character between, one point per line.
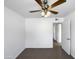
57	3
55	12
39	2
35	11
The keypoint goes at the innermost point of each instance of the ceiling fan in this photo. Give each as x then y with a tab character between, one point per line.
46	9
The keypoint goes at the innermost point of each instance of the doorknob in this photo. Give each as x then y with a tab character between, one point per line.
68	39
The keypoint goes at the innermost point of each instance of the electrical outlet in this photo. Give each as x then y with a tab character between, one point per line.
8	57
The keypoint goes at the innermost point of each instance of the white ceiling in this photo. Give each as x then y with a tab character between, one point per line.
24	6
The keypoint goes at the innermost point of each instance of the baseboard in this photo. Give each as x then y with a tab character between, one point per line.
20	52
73	56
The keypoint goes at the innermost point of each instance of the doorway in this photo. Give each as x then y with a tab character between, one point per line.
61	35
57	34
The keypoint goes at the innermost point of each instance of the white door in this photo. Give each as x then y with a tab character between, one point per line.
66	36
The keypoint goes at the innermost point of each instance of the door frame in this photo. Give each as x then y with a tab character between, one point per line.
61	35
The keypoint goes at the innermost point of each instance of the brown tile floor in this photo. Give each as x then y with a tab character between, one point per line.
44	53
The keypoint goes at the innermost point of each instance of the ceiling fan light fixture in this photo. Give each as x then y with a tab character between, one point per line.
46	8
45	15
48	13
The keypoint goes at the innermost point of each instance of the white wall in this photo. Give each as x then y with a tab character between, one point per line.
14	34
71	17
58	32
39	33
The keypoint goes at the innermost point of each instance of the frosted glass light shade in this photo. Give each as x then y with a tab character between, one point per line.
48	13
43	14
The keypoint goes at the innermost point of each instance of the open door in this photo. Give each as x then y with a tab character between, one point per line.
66	36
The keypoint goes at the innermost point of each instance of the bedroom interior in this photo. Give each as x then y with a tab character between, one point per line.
39	29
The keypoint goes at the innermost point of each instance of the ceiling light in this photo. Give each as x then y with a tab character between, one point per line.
45	15
48	13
